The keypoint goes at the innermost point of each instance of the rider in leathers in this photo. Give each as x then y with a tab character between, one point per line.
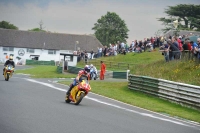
9	62
93	71
85	72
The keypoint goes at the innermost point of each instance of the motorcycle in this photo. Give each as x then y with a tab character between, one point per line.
93	74
78	92
8	72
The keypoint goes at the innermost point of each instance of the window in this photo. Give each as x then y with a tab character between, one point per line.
51	51
30	50
8	48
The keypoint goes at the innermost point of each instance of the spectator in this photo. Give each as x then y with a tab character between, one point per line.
103	70
82	54
194	47
158	42
161	40
138	50
126	47
198	48
122	45
180	45
145	44
185	46
174	52
189	45
174	41
105	50
132	44
99	52
165	51
119	45
86	57
92	52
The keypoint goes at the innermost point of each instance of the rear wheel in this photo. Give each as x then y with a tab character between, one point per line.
79	98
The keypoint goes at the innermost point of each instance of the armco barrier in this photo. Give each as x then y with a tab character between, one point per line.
108	74
59	69
183	94
120	75
73	69
36	62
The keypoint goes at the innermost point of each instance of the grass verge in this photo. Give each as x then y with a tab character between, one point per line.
45	72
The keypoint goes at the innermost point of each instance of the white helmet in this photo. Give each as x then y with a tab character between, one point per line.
91	65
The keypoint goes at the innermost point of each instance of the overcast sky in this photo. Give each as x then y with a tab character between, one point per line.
79	16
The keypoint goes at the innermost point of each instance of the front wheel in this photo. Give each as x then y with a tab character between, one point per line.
7	76
67	100
79	98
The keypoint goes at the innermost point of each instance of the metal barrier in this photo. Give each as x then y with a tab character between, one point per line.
184	94
36	62
108	74
59	69
73	69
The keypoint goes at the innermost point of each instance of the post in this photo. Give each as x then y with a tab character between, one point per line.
77	42
127	73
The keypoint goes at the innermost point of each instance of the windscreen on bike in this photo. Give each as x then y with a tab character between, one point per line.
83	77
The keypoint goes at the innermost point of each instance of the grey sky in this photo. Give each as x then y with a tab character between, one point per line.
79	16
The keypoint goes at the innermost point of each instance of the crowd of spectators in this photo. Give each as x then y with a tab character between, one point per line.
174	46
170	47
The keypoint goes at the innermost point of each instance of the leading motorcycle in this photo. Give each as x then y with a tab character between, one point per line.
78	92
8	72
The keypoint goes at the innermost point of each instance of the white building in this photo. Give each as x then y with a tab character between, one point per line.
43	46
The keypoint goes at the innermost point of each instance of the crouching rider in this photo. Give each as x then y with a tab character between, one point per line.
9	62
82	73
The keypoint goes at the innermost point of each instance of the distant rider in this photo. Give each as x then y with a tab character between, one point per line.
9	62
82	73
93	70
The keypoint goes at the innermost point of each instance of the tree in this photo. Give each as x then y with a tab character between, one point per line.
110	29
36	29
7	25
188	17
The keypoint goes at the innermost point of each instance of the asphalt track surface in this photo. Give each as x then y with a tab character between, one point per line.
37	106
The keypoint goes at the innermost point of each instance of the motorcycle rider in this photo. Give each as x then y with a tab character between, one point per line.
82	73
9	62
93	69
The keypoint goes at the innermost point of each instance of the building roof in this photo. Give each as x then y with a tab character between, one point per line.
46	40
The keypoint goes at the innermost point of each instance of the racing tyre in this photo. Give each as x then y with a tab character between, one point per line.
7	77
79	98
67	100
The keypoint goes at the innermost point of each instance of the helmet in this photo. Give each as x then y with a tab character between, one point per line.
91	65
86	69
10	58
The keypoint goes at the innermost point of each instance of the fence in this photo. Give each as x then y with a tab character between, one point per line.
181	55
36	62
183	94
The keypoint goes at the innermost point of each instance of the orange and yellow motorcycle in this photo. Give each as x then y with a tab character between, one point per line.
8	72
78	92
